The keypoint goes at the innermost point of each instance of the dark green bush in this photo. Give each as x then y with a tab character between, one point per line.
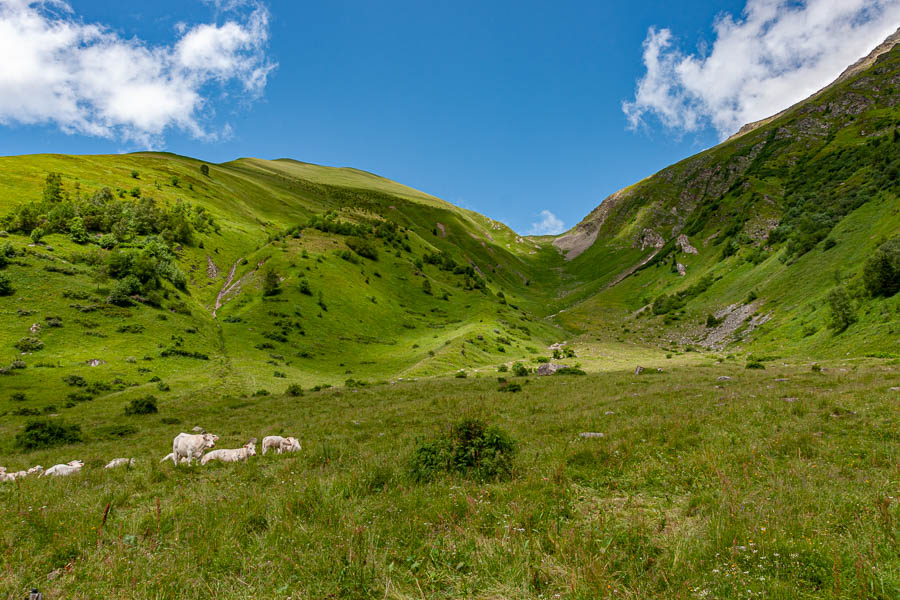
470	448
294	390
116	431
29	344
755	364
142	406
569	371
519	370
46	434
881	273
6	288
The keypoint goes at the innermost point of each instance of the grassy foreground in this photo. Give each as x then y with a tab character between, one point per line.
777	483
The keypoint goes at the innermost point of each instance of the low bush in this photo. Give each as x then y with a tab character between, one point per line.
142	406
519	370
755	364
47	434
470	448
29	344
116	431
569	371
294	390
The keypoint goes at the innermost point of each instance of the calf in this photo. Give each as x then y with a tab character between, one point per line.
69	468
231	455
280	444
191	446
119	462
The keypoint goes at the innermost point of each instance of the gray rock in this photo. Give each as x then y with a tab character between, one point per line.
548	368
724	378
590	434
638	370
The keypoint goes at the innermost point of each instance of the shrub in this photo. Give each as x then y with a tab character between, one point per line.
426	287
17	364
363	247
36	234
46	434
77	231
712	321
142	406
510	387
303	285
271	283
107	241
74	380
502	369
881	273
116	431
569	371
280	375
29	344
6	288
755	364
470	448
842	312
294	390
82	396
204	170
519	370
18	397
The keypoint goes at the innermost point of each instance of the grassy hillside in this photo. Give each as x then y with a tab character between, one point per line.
768	229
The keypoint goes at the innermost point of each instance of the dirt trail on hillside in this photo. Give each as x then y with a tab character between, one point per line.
225	288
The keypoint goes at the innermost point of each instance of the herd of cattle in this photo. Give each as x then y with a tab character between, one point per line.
186	447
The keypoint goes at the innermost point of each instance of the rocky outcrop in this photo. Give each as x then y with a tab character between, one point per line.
650	238
682	271
684	245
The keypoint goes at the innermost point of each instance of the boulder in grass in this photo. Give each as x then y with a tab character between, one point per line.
590	434
548	368
638	370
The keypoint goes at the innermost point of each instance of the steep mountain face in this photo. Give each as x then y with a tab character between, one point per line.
784	213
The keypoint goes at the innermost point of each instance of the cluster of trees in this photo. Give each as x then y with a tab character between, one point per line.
121	218
821	192
140	270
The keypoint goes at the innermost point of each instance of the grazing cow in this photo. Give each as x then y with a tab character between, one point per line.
4	476
119	462
67	469
280	444
231	455
191	446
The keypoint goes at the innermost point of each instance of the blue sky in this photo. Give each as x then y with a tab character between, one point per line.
528	112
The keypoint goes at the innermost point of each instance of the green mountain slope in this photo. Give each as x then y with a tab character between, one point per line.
764	227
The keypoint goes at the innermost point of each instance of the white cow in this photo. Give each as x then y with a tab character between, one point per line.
119	462
280	444
231	455
4	476
191	446
69	468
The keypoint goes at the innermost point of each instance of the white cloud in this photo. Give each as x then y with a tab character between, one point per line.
85	78
549	224
776	54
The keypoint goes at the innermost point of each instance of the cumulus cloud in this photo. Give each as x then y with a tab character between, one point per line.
549	224
85	78
775	54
